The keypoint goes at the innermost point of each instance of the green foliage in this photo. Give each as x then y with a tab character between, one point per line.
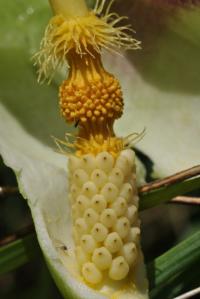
17	253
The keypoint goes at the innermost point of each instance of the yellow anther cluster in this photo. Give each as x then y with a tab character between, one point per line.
104	213
81	33
96	102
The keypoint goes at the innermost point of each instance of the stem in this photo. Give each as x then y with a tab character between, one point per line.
177	177
17	235
164	194
69	8
8	190
186	200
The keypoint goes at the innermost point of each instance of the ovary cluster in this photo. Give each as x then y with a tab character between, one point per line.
104	212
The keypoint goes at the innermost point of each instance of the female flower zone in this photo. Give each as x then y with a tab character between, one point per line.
106	257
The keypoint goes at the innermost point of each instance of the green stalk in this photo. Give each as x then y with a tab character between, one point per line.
18	253
162	195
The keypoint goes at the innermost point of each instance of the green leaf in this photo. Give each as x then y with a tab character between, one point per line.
161	84
18	253
166	193
176	262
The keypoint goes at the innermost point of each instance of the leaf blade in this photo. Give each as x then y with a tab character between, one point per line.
18	253
162	195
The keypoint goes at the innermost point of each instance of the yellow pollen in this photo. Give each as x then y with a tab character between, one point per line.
90	98
84	90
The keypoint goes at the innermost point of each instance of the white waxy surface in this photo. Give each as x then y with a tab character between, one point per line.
104	213
122	227
88	243
81	226
108	218
129	251
126	191
119	206
102	258
99	232
105	161
113	242
130	155
119	268
81	255
110	192
89	189
82	203
91	273
116	176
91	217
80	177
88	163
132	213
98	203
99	177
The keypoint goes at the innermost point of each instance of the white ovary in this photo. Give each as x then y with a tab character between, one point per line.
99	177
91	217
81	226
82	203
119	268
98	203
99	232
110	192
91	273
119	206
81	255
116	176
102	258
105	217
80	177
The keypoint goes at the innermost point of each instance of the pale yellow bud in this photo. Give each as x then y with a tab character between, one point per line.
99	232
134	235
74	191
122	227
123	164
130	155
119	206
91	217
81	226
129	252
88	243
99	177
91	273
113	242
89	163
80	177
110	192
119	268
108	217
82	203
132	214
105	161
116	177
81	255
102	258
74	163
89	189
98	203
126	191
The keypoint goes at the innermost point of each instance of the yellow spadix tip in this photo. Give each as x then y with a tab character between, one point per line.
83	34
